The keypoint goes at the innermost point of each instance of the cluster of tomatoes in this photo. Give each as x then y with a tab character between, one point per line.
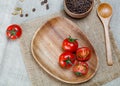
74	57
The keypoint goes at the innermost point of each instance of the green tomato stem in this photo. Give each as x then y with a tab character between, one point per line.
78	73
68	61
71	39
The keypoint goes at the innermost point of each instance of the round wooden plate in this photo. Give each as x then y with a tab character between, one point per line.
46	48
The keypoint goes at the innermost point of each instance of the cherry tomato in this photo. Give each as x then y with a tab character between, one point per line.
13	31
80	68
66	59
83	54
70	44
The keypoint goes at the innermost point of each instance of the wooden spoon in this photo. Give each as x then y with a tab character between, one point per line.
105	12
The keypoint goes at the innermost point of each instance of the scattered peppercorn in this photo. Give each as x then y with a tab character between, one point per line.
33	9
45	1
26	15
47	6
42	3
21	15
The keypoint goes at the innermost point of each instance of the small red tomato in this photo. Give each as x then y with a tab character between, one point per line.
13	31
81	68
70	44
66	59
83	54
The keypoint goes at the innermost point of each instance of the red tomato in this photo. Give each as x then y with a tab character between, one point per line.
66	59
83	54
70	44
81	68
13	31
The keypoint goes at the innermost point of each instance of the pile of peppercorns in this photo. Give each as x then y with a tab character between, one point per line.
78	6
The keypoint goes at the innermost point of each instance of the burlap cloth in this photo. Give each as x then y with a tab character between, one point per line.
93	28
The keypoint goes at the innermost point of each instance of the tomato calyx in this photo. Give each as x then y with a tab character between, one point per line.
78	73
12	32
68	61
70	39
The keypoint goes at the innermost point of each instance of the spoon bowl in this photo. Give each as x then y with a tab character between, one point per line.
105	10
105	13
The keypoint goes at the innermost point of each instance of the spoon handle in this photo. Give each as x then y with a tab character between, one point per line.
108	46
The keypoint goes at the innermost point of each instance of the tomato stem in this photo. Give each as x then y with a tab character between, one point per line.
13	32
78	73
68	61
71	39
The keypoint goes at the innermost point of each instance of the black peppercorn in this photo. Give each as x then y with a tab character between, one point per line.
33	9
45	1
21	15
26	15
42	3
47	6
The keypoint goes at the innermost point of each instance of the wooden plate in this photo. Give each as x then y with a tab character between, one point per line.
46	48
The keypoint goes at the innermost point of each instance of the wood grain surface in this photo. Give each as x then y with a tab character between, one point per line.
46	48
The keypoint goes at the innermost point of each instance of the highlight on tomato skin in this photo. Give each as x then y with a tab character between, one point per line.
80	68
13	32
66	60
70	44
83	54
